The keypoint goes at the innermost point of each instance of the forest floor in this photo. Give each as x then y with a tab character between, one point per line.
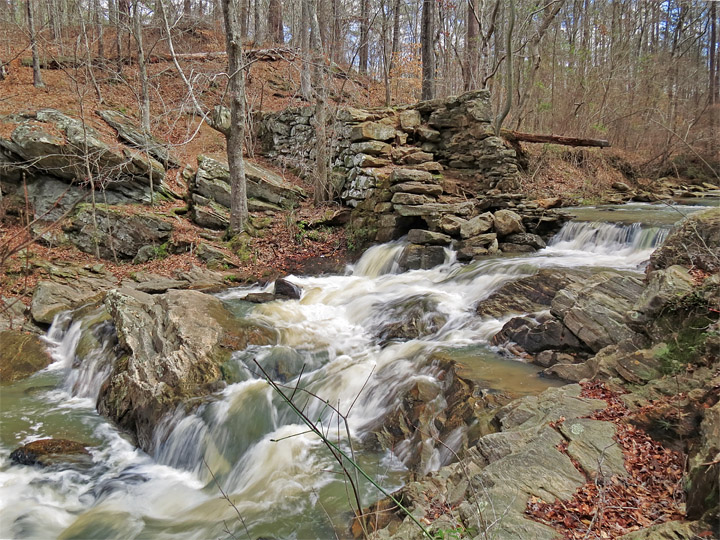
286	245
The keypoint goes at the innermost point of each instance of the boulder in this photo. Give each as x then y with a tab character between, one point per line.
416	257
374	148
526	239
372	131
536	336
21	355
132	134
695	242
428	238
213	257
663	288
529	294
477	225
287	289
58	145
410	119
172	347
411	175
409	318
506	247
411	199
450	224
68	287
595	311
119	233
47	452
419	188
508	222
212	181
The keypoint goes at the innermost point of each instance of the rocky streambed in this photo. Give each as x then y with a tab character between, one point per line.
426	365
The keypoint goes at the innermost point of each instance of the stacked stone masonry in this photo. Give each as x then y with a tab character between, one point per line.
401	168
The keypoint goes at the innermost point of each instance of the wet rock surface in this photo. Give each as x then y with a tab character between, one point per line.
49	452
172	348
695	242
21	355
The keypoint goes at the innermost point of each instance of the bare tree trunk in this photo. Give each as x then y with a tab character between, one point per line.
386	54
99	30
244	15
236	135
396	34
427	51
142	68
713	45
364	47
37	77
322	184
305	83
337	45
275	22
471	46
508	69
256	22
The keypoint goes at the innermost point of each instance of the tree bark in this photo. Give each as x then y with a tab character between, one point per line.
508	69
322	184
471	46
275	22
305	82
236	135
427	51
713	45
37	76
363	52
142	69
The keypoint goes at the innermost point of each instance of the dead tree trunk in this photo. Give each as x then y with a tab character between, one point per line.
37	77
236	135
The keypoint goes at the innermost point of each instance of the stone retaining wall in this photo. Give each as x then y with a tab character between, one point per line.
368	144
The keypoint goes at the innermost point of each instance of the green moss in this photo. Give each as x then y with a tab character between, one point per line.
686	347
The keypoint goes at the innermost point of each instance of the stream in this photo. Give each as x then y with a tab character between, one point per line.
245	440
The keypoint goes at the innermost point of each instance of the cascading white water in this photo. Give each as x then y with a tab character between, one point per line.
274	471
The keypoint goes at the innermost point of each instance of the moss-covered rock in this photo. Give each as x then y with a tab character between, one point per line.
172	349
21	355
46	452
694	243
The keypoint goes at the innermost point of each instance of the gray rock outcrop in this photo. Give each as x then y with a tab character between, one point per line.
172	348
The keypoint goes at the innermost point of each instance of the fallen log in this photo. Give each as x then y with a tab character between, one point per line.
552	139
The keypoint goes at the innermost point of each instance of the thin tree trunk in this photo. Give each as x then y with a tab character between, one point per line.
471	46
99	31
713	45
275	22
508	69
322	183
363	52
305	83
427	51
236	135
142	68
37	76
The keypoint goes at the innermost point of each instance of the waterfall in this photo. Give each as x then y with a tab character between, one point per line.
379	260
343	336
608	237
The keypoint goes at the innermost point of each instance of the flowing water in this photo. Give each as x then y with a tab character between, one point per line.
281	480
